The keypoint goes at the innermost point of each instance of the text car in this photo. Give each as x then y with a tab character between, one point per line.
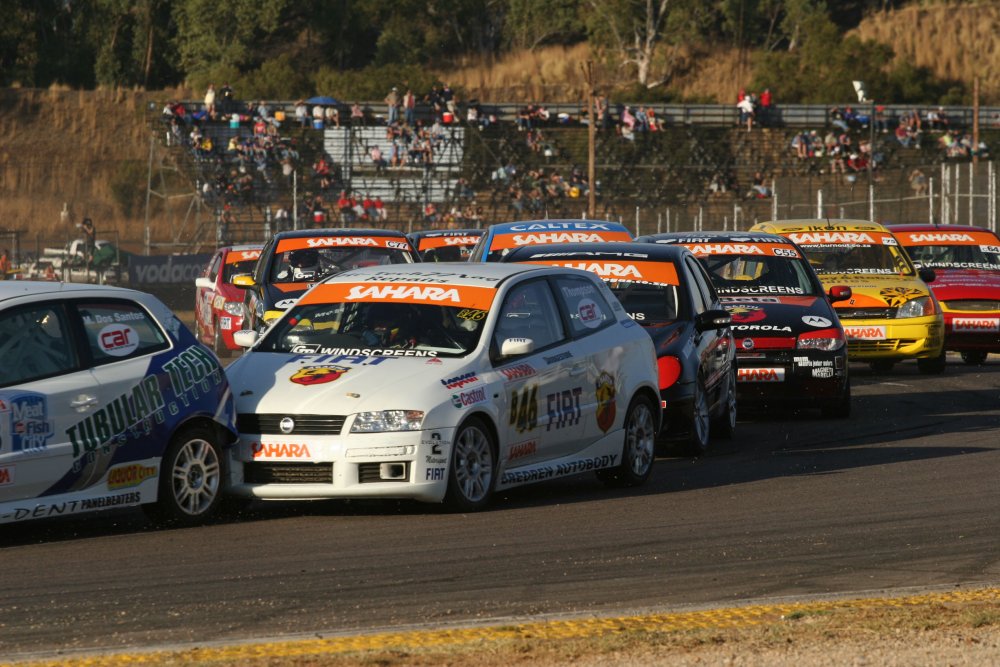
106	401
501	238
219	307
790	346
445	245
891	315
966	263
292	262
444	382
666	291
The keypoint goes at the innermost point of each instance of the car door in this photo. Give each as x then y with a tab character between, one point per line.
714	344
542	398
44	389
206	298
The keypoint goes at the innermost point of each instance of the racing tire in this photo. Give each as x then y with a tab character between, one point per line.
724	426
696	443
191	478
842	408
882	365
638	448
932	365
472	474
974	358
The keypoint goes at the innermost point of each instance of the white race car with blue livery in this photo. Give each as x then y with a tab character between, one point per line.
444	382
107	401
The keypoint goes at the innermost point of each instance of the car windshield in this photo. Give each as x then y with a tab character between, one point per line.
647	303
377	328
857	258
956	256
308	265
755	274
245	267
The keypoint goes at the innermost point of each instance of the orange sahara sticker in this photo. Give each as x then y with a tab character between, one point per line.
947	238
428	242
842	238
284	245
458	296
518	239
241	256
739	248
661	273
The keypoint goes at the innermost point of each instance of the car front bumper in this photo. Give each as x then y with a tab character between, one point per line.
894	339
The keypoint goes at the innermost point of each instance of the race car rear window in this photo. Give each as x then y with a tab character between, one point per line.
35	343
119	329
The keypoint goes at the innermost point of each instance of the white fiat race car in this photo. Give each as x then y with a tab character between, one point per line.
444	382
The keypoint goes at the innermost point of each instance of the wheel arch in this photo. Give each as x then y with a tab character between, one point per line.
648	392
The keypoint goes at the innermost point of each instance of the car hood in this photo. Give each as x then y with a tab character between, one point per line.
882	290
281	296
268	382
765	316
952	284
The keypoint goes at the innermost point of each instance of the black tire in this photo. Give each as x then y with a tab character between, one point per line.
842	408
932	365
696	443
882	365
472	474
724	426
638	448
974	358
192	476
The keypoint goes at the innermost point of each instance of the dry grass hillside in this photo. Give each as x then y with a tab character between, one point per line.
60	146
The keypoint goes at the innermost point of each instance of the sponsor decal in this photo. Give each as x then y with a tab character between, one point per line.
6	475
242	256
865	333
461	296
822	372
606	404
472	315
975	324
166	269
933	238
556	358
127	476
761	327
362	352
760	375
24	423
897	296
502	241
746	314
434	475
543	472
521	449
756	289
751	299
467	398
518	372
825	238
817	321
460	381
540	226
784	252
42	511
285	304
397	245
524	409
434	360
225	323
117	340
341	241
280	450
428	242
806	362
563	408
659	273
590	313
310	375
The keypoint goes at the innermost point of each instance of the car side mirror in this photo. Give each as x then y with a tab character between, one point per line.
204	283
243	281
840	293
245	337
712	319
927	275
514	347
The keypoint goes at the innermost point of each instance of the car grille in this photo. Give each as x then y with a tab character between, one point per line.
866	313
371	472
972	305
890	345
288	473
304	424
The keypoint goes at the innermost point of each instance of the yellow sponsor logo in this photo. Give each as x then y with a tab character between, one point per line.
124	477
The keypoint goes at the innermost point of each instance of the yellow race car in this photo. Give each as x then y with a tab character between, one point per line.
892	314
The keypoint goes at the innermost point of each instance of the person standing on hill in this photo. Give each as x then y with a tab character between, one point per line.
210	102
392	104
409	107
766	101
89	239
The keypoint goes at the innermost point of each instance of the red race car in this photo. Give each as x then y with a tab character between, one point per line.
967	263
218	304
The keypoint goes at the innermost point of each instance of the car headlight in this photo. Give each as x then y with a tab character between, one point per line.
827	340
920	307
233	307
388	420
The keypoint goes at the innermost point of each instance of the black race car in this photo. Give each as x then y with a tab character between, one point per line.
790	346
667	291
445	245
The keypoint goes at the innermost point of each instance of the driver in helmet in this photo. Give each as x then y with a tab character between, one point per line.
302	265
389	326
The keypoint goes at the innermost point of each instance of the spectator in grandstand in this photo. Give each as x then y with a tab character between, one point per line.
409	107
881	121
331	115
228	99
381	212
902	135
392	106
918	182
837	119
301	113
282	219
317	212
757	188
430	213
448	99
210	101
5	263
357	114
766	104
745	107
318	115
524	117
377	160
800	144
346	208
937	119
